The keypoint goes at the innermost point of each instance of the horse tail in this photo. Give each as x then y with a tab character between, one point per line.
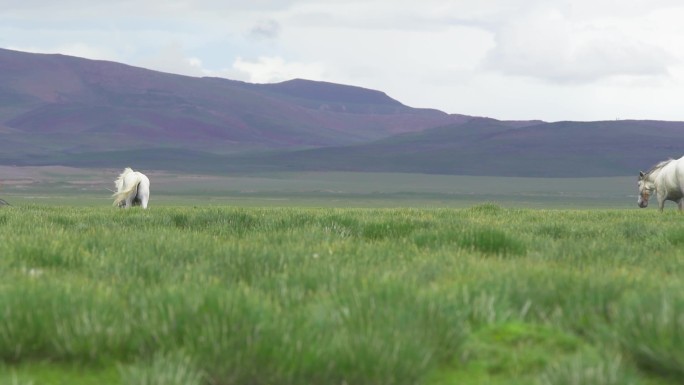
118	183
121	196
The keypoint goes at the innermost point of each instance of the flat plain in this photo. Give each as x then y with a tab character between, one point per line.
89	187
356	279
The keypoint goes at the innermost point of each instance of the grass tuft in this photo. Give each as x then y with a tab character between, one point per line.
651	330
163	369
487	208
492	241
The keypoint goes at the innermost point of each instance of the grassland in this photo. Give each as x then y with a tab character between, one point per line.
89	187
302	295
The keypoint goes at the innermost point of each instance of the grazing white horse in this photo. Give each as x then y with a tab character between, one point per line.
666	180
132	189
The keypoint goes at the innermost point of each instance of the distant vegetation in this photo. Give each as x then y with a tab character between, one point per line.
484	295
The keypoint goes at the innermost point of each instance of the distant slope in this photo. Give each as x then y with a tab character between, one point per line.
62	110
331	96
491	147
91	105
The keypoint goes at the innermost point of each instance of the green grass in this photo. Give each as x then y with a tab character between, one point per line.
88	187
239	295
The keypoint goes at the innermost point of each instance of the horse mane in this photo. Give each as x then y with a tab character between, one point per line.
658	166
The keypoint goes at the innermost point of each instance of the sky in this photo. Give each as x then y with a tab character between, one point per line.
553	60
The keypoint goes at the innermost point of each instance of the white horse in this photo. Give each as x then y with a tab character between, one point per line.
666	180
132	189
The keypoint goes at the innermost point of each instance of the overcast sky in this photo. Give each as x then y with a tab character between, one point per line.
506	59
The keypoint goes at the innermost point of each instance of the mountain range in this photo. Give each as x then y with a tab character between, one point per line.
57	109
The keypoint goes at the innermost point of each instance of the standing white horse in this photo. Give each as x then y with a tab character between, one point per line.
132	189
666	180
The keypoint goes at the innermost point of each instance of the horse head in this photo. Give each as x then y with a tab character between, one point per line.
646	189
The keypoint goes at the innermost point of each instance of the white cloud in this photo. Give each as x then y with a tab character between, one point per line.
171	58
545	44
78	49
518	59
276	69
265	29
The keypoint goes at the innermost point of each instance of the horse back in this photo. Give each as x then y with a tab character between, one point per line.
671	180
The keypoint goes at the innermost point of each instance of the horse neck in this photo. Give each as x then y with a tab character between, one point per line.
654	174
651	176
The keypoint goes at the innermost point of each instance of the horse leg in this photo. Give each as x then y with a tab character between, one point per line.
129	201
143	198
144	192
680	204
661	203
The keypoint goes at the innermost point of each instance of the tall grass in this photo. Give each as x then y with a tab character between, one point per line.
356	296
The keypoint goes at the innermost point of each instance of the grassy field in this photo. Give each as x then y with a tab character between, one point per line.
322	295
88	187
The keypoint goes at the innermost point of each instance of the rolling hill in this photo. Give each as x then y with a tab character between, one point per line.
57	103
62	110
489	147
